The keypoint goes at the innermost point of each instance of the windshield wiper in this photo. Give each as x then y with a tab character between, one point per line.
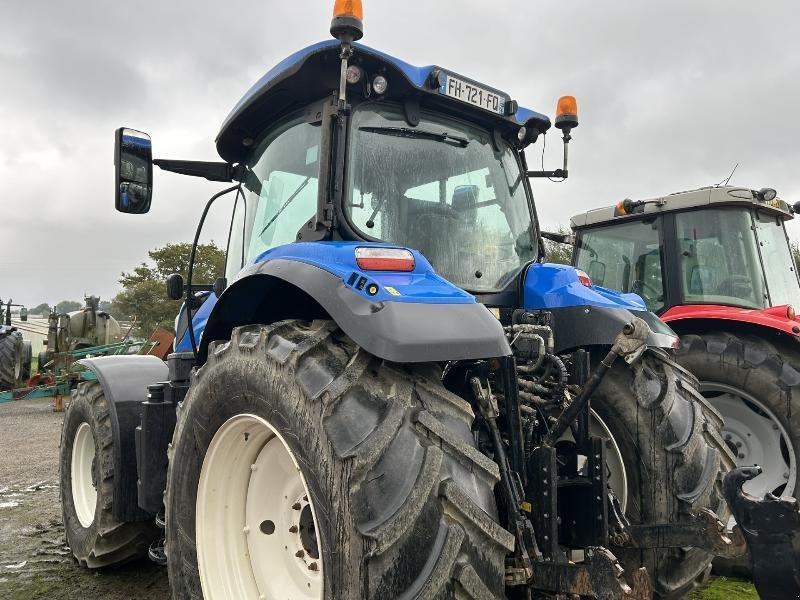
285	204
418	133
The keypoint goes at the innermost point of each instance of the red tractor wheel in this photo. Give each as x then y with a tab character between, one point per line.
755	385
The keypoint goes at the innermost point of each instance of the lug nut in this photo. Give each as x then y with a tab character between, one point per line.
741	455
296	506
299	554
313	567
786	476
775	426
293	529
738	444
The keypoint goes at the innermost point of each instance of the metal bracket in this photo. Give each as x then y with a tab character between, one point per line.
770	526
599	576
704	531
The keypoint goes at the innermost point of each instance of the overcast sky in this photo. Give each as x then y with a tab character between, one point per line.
670	96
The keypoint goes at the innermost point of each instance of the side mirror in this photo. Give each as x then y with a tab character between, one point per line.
133	162
175	287
23	314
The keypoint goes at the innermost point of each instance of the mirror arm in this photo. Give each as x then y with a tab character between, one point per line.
213	171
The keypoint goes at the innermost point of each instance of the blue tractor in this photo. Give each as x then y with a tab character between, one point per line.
389	395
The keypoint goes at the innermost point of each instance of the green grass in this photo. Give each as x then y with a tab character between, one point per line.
726	588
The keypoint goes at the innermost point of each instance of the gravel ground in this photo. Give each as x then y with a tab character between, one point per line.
34	559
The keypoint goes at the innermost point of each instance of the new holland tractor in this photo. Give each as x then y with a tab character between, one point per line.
389	395
716	264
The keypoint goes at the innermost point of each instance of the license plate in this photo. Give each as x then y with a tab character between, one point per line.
471	93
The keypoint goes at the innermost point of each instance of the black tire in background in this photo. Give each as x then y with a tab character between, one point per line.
27	358
10	360
41	360
751	366
674	459
106	541
404	499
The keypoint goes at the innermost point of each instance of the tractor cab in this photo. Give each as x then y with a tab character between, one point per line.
717	248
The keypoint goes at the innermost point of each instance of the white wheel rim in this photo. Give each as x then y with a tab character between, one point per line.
757	438
254	517
84	493
616	474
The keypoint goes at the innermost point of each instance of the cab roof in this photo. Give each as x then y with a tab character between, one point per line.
312	74
680	201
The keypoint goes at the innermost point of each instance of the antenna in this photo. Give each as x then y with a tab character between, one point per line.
725	181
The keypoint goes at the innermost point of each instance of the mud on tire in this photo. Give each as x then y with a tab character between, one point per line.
674	459
404	500
106	541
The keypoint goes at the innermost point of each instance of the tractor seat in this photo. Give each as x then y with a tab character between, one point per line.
465	203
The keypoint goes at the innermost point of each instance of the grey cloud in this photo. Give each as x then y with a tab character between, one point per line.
672	95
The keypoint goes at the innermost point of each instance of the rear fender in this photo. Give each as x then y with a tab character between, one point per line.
400	317
688	318
583	315
124	380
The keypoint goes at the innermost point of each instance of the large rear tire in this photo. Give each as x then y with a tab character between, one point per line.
755	385
95	536
402	499
674	461
10	360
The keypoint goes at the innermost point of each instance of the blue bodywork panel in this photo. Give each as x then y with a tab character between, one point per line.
550	286
422	285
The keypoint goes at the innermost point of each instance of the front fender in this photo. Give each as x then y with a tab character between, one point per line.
124	380
400	317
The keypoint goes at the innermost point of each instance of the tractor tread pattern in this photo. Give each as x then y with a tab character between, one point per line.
420	495
10	354
107	541
670	413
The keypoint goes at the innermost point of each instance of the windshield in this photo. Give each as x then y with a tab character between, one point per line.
719	260
442	188
779	266
625	257
280	192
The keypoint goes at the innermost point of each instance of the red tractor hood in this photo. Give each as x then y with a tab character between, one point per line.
775	317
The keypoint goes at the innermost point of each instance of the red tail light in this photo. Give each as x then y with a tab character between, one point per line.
384	259
584	278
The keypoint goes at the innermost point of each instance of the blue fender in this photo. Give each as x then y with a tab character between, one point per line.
402	317
586	316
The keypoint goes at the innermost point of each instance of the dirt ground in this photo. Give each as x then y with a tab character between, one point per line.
34	559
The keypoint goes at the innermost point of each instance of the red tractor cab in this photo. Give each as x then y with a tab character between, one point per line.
717	266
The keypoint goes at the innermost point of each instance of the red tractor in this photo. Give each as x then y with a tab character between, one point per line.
716	265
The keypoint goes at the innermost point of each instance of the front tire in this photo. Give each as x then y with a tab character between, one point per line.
674	461
402	500
95	536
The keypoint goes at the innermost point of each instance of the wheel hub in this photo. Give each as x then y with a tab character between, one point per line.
255	523
756	437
